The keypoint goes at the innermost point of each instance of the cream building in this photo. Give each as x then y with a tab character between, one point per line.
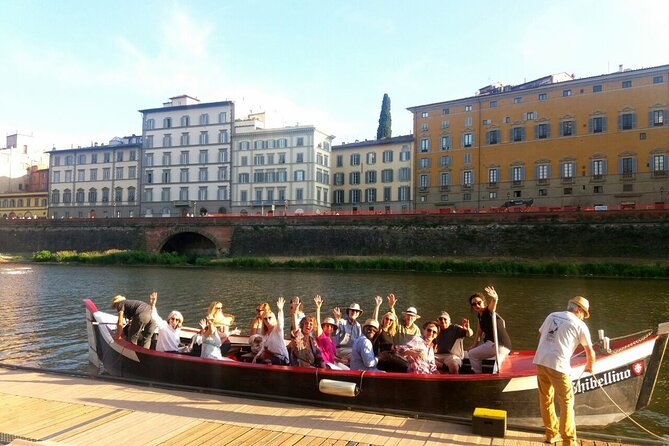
373	175
280	170
185	168
101	181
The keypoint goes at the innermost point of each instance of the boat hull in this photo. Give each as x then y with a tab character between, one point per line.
430	396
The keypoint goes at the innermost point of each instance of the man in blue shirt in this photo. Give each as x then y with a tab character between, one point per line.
362	356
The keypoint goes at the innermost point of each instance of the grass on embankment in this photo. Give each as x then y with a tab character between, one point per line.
466	266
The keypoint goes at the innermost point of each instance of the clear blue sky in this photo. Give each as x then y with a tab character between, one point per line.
76	71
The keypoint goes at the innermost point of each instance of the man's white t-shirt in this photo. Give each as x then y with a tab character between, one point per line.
561	333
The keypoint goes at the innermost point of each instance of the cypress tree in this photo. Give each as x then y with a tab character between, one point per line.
384	130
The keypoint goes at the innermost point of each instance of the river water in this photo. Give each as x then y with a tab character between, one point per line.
43	323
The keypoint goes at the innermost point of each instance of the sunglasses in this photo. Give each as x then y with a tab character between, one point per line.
268	318
430	330
476	303
219	308
443	318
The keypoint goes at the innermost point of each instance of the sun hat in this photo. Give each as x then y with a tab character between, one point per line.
116	299
330	321
371	322
412	311
583	303
354	307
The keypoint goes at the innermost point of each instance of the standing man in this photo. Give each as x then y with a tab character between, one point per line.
561	333
138	314
447	357
485	338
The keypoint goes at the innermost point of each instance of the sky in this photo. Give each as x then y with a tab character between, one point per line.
76	72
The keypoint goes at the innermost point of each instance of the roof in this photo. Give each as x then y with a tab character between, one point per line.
376	142
187	107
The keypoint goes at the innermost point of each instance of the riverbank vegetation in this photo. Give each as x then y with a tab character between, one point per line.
573	268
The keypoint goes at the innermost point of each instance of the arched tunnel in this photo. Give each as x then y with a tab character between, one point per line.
190	244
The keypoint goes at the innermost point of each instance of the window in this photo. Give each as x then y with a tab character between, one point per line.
185	121
597	168
149	124
493	136
387	194
203	157
567	128
468	121
445	143
339	179
165	194
354	178
507	119
222	193
656	118
183	175
204	119
658	79
204	138
119	173
338	196
518	134
167	140
626	121
467	140
78	198
445	111
370	195
259	144
131	194
81	175
404	174
299	175
424	115
222	155
371	158
92	195
94	158
259	160
244	160
404	193
106	173
148	142
493	104
543	192
467	158
598	124
203	174
423	127
148	195
167	123
517	100
81	159
444	179
627	165
468	108
541	131
244	145
487	121
445	124
517	173
56	161
94	174
543	96
167	159
425	145
628	187
300	141
283	143
223	137
566	93
370	177
424	163
405	154
55	196
659	164
354	196
567	170
388	156
355	159
243	177
543	171
598	189
493	176
627	84
596	88
467	178
386	176
67	196
530	116
105	156
299	157
445	160
185	139
202	193
222	117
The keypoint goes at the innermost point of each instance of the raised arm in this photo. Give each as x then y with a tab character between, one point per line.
294	308
318	301
494	298
465	325
391	304
378	300
279	313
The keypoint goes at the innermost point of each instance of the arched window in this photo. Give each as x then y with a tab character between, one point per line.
118	194
55	196
44	202
67	196
12	203
5	203
79	198
92	195
20	203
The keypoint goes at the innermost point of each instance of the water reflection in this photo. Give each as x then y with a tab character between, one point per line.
44	325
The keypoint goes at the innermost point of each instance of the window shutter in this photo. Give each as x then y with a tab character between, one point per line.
633	120
487	136
473	139
634	165
590	167
511	135
589	125
650	118
620	122
548	130
522	173
603	123
522	134
605	167
620	166
536	131
574	166
573	128
560	129
462	141
664	117
536	172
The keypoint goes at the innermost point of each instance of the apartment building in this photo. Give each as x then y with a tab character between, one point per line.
185	167
554	141
99	181
373	175
280	170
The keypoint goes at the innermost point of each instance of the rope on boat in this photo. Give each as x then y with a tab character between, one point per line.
628	416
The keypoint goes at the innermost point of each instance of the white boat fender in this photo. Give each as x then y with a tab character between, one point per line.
338	388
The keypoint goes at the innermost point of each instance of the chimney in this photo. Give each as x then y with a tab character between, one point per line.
620	68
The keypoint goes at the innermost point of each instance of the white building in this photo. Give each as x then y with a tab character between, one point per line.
186	161
98	181
279	170
16	159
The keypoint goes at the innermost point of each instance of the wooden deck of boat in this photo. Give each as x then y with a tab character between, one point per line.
56	409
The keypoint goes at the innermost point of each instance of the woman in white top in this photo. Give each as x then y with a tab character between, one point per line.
169	335
274	349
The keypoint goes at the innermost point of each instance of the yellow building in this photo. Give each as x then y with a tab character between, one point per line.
22	205
373	175
554	141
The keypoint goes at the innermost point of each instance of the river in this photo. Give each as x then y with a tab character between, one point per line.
43	323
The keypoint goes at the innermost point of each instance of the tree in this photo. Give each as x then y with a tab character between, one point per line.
385	121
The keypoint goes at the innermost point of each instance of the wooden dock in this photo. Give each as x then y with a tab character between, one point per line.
59	409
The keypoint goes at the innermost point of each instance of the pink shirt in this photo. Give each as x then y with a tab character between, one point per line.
326	344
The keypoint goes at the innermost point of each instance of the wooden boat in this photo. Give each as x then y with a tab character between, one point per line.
626	372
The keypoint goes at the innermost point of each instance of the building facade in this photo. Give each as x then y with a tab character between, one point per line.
554	141
186	158
100	181
280	170
373	175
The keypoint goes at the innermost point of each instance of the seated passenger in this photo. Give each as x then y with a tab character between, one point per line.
274	347
485	340
304	351
389	360
325	331
419	351
169	335
211	341
348	330
449	352
256	324
407	329
255	343
362	354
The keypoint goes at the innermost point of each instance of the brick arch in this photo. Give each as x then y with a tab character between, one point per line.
157	237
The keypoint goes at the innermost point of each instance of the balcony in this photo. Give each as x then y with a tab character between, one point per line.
567	180
627	176
493	185
659	173
517	183
444	188
597	178
543	182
